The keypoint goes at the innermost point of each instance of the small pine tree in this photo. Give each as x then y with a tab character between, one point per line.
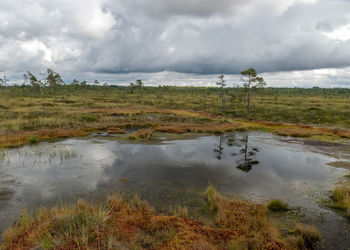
251	80
221	84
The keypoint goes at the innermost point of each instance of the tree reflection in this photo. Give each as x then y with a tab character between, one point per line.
245	155
219	149
248	161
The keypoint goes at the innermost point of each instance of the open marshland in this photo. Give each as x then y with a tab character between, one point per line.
26	116
175	124
111	167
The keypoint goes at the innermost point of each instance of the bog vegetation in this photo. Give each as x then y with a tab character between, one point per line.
133	224
48	108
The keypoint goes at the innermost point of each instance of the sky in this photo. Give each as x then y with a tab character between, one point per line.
294	43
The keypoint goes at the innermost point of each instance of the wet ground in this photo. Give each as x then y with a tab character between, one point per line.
169	171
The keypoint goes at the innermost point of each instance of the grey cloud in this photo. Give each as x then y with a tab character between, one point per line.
161	9
192	36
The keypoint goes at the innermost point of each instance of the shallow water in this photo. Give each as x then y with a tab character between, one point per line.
255	166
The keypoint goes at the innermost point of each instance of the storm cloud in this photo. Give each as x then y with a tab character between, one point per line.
114	37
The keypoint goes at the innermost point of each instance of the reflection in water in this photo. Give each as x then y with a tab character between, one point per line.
249	154
219	149
246	154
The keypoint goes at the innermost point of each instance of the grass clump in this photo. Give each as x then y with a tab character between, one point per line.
307	236
277	205
33	139
340	199
210	196
249	222
179	211
141	134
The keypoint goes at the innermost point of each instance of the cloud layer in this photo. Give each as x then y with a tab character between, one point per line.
187	36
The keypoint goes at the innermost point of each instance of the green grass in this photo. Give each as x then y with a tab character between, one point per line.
33	139
328	107
210	194
340	199
170	109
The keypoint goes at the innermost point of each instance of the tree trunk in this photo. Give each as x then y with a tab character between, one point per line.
248	97
248	102
222	100
246	150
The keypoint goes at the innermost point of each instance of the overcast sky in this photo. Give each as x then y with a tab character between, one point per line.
292	42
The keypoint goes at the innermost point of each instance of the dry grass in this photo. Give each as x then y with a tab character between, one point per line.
179	211
20	138
294	132
249	222
141	134
122	224
308	236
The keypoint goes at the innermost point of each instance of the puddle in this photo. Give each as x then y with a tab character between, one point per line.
255	166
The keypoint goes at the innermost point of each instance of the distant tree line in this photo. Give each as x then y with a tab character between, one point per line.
51	83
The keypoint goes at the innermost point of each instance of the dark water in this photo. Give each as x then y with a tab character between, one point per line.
254	166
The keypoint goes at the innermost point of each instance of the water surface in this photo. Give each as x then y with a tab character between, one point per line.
254	166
